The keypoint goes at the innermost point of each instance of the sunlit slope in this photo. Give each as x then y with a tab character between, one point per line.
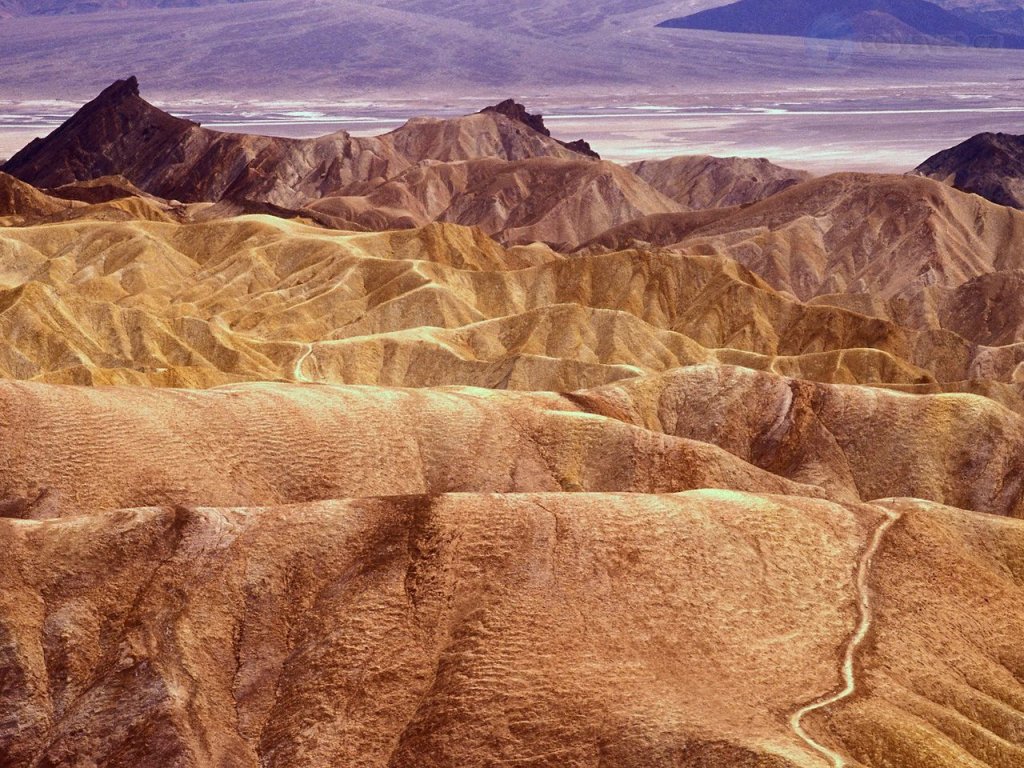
262	298
83	449
569	629
878	236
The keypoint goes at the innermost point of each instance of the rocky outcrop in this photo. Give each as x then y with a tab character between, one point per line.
516	111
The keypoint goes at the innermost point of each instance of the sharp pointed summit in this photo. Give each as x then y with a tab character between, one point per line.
118	132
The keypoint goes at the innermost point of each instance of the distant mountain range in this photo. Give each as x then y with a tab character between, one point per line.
883	21
1007	19
317	52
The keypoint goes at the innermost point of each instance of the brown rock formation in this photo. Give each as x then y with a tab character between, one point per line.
905	249
740	487
21	200
250	298
463	629
989	164
474	628
516	111
552	200
698	181
119	133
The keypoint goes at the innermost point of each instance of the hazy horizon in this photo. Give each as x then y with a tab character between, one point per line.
593	71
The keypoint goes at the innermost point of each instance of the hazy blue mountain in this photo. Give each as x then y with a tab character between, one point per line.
318	51
1008	20
890	21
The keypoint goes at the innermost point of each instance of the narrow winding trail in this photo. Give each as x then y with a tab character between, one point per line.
298	374
858	637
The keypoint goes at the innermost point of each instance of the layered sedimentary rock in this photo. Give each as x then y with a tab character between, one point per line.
456	447
556	201
881	235
257	297
908	250
21	200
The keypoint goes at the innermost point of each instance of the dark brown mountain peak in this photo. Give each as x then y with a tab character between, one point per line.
119	90
989	164
513	110
582	146
103	138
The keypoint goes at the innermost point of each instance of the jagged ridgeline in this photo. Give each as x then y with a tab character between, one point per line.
460	446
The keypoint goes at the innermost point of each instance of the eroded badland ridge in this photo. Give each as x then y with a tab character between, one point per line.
460	446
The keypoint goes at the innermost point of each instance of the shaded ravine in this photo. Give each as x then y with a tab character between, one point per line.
856	640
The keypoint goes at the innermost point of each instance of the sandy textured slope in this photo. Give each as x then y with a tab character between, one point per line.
573	624
700	426
449	630
480	629
21	200
235	447
867	443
